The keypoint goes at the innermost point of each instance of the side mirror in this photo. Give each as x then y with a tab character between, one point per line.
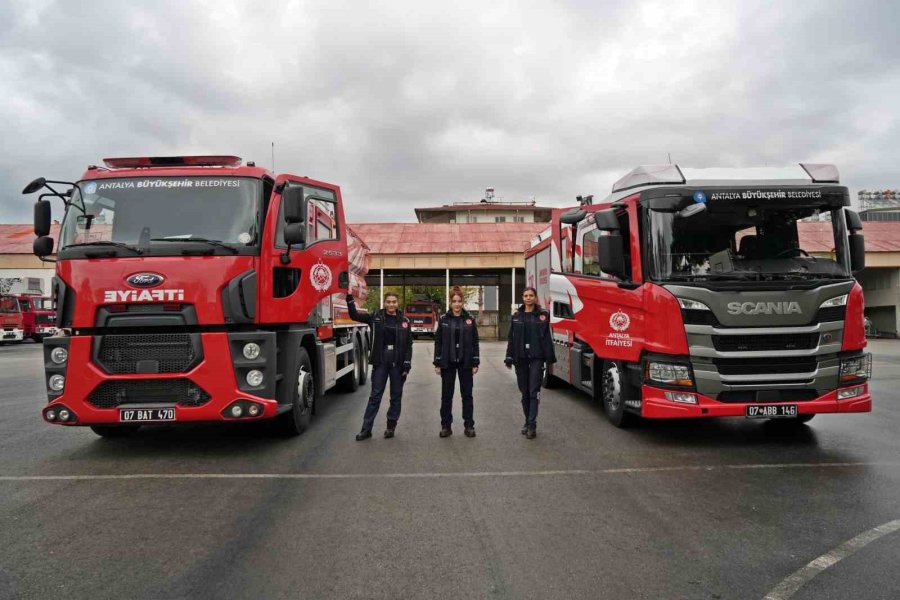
572	217
43	246
606	220
857	252
42	218
293	205
854	223
34	185
295	233
611	256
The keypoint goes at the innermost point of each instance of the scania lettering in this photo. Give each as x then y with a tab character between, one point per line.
690	293
198	288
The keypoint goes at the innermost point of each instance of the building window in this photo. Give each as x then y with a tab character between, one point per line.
499	219
519	219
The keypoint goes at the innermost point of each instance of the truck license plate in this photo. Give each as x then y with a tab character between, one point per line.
146	414
771	411
9	336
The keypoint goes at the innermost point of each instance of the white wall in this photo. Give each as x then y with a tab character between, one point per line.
45	275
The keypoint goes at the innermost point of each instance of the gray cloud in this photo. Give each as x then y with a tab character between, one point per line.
410	104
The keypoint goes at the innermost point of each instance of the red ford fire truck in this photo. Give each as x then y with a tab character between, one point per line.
687	293
197	288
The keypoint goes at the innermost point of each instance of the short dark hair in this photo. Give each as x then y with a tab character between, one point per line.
394	294
527	288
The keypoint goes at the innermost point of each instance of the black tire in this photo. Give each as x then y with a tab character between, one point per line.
364	361
38	338
550	381
792	422
303	397
350	382
614	390
115	431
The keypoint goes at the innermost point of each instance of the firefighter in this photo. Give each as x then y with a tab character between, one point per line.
456	355
530	349
391	359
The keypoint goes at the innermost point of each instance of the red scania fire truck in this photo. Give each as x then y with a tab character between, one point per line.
687	293
198	288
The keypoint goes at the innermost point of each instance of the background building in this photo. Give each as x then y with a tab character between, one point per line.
486	210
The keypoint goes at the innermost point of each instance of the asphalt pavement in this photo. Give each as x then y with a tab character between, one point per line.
711	509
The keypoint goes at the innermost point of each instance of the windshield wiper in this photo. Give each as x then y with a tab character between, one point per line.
216	243
105	243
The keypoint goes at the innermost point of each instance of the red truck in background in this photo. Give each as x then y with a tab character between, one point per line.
424	315
687	293
197	288
39	316
12	320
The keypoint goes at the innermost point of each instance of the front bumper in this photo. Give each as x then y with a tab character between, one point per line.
11	334
215	375
655	405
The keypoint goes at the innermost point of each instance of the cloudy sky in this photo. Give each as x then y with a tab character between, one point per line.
419	103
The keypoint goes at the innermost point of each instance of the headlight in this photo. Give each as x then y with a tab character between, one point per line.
856	368
838	301
688	304
251	351
57	382
59	355
668	373
254	378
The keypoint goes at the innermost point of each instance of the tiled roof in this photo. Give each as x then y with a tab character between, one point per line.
17	239
444	238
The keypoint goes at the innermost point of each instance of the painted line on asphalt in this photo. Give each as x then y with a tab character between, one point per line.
448	475
794	582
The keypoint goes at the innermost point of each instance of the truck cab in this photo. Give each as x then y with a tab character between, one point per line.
424	316
689	293
196	288
12	320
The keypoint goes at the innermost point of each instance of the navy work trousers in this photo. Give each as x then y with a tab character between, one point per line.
380	376
448	385
530	373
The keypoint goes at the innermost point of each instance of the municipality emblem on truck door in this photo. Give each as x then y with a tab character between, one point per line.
320	277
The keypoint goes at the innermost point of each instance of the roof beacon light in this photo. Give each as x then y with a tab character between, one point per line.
143	162
821	173
649	175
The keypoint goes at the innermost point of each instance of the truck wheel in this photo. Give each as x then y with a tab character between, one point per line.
295	421
615	389
114	431
363	361
350	382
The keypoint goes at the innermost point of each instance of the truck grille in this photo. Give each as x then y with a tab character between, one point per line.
766	366
44	319
148	353
182	392
706	317
751	343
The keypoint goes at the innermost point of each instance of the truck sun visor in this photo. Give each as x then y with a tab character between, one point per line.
648	175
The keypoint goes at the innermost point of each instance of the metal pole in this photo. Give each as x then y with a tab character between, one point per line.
381	289
513	292
447	290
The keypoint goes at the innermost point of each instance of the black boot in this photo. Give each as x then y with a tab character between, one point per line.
531	433
363	435
470	432
391	426
446	432
525	429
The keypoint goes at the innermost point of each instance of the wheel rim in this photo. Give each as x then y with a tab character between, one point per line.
305	389
612	388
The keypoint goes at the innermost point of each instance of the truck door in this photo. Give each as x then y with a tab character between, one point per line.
296	283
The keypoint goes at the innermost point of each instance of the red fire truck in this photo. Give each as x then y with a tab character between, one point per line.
424	315
687	293
197	288
12	320
39	316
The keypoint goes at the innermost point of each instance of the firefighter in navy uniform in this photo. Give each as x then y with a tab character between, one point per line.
391	359
530	348
456	355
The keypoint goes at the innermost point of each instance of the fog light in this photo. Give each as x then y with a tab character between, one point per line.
64	414
681	397
50	414
57	382
236	411
251	351
253	410
59	355
254	378
849	392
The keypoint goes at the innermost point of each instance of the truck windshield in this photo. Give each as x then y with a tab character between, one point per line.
740	242
419	309
134	211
